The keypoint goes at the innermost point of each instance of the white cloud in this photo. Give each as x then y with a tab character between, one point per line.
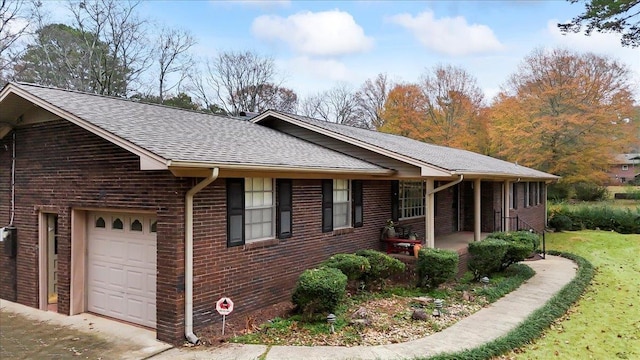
326	33
450	36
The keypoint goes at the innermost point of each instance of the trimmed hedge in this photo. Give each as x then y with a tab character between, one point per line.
521	244
436	266
623	221
486	256
383	266
354	266
319	290
538	321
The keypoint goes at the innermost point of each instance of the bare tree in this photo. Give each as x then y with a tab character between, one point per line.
338	104
454	100
13	26
370	99
234	81
117	25
173	58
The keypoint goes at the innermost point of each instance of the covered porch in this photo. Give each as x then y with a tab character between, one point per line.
457	241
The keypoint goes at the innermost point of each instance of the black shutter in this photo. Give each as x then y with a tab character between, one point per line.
235	212
515	196
395	200
358	209
284	210
327	205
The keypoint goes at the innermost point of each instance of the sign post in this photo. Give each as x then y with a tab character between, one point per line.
224	306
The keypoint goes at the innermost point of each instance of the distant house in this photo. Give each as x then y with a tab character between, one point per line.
149	214
624	168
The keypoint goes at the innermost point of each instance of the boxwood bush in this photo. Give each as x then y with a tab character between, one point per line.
436	266
354	266
319	291
486	256
520	245
383	266
623	221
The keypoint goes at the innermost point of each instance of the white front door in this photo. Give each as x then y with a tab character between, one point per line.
121	266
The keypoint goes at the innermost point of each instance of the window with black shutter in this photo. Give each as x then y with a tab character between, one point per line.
327	205
395	200
284	211
235	212
358	209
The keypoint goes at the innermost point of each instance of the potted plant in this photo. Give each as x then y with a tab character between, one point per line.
389	229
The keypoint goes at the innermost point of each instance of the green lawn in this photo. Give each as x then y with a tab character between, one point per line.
605	323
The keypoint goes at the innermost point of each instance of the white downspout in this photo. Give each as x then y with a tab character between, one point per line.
188	255
429	219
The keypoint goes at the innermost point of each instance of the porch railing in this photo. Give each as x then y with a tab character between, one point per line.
516	224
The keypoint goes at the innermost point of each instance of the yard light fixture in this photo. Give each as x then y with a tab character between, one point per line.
331	319
439	303
485	281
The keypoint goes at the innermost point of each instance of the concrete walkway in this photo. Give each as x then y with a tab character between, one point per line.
484	326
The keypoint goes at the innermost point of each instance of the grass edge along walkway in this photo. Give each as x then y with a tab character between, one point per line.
538	321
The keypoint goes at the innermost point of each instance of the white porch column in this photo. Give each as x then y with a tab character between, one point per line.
506	205
477	209
429	226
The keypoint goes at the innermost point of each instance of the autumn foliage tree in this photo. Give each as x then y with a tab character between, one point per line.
565	113
445	109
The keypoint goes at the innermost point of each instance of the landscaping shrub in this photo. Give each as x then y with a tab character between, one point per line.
383	266
623	221
486	256
520	245
354	266
561	222
319	290
436	266
590	192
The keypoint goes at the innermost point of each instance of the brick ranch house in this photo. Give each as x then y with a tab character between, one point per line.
624	168
149	214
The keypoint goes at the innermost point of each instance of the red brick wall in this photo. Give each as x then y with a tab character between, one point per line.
262	273
534	215
60	166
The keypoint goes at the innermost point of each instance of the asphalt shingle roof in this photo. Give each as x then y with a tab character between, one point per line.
182	135
460	161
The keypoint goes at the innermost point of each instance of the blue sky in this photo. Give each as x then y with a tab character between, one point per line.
317	44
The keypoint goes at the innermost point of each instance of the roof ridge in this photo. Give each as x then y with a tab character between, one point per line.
123	99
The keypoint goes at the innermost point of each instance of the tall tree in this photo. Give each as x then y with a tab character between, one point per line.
234	80
338	104
173	58
59	57
270	96
565	113
620	16
404	112
13	26
454	101
370	99
116	24
447	111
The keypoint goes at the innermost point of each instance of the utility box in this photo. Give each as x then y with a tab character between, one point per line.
9	239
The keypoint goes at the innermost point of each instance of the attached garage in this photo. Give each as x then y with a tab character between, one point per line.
121	267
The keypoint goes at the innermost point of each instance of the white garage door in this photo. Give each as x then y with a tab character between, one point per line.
121	264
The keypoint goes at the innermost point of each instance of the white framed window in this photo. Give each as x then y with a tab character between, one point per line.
341	203
625	167
259	209
411	199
